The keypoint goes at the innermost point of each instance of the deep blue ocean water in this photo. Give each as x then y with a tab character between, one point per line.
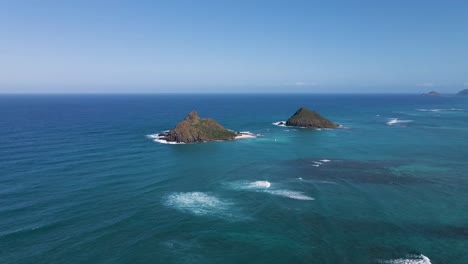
80	181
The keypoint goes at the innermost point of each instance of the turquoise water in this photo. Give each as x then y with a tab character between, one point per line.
81	182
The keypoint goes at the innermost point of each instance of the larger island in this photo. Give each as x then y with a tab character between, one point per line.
195	129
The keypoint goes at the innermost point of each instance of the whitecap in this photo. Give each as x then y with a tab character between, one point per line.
290	194
260	184
316	165
429	110
439	110
266	187
410	259
326	182
245	185
325	160
160	139
317	162
246	134
280	123
197	203
395	121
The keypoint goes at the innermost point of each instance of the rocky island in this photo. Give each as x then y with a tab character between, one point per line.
308	118
463	93
195	129
432	93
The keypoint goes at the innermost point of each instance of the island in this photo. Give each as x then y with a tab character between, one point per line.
195	129
463	93
432	93
308	118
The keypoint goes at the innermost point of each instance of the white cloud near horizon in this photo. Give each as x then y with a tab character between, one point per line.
426	84
304	84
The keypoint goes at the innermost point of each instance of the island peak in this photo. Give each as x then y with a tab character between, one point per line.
432	93
304	117
192	116
195	129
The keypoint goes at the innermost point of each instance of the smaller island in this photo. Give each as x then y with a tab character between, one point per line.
463	93
195	129
432	94
308	118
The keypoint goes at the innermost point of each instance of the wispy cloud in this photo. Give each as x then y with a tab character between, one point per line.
304	84
426	84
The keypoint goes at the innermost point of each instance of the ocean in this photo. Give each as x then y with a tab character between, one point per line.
81	180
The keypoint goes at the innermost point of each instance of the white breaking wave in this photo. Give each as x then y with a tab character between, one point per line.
430	110
265	187
410	259
279	123
440	110
290	194
260	184
246	134
247	185
197	203
256	185
325	160
160	139
318	129
395	121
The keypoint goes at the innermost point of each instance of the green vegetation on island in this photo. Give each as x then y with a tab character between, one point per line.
196	129
308	118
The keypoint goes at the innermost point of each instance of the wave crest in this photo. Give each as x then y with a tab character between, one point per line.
396	121
410	259
291	194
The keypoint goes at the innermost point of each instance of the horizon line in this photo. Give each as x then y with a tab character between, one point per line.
221	93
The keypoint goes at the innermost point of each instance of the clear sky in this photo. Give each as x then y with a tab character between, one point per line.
233	46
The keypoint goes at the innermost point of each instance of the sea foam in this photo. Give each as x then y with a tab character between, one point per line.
160	139
440	110
245	185
266	187
410	259
279	123
246	134
197	203
290	194
396	121
260	184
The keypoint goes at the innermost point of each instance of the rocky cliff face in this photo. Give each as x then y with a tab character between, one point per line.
308	118
196	129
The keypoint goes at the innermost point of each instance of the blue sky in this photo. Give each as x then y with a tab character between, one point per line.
233	46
